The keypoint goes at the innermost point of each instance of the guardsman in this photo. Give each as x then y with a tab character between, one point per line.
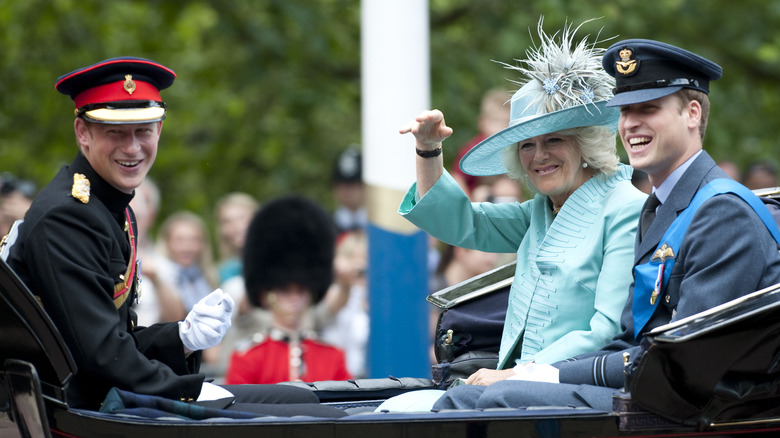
288	268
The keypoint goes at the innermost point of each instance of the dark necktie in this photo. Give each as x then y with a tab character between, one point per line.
648	213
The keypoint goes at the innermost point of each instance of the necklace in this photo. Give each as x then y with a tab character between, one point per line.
555	210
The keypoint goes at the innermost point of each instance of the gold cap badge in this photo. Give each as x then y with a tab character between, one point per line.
80	189
129	84
626	65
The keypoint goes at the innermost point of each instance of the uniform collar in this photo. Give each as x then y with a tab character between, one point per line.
112	198
663	192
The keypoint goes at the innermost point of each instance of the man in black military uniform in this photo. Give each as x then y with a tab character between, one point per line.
76	251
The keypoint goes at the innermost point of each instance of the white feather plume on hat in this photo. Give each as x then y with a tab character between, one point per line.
564	74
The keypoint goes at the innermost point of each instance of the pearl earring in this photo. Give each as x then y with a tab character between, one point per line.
584	165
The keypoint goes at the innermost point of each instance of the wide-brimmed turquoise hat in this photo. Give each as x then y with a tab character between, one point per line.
566	88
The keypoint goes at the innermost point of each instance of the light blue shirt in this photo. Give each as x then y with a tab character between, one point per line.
665	189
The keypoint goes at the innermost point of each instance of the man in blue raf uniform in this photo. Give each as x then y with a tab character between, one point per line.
726	251
76	251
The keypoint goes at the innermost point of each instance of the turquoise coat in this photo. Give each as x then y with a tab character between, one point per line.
573	269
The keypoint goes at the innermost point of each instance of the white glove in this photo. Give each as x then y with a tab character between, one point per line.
207	322
536	373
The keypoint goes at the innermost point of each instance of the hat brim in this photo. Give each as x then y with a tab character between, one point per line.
639	96
486	159
125	116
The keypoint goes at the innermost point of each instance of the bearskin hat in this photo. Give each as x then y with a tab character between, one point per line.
291	240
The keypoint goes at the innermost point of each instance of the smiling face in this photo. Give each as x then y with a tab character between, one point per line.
660	135
120	154
553	163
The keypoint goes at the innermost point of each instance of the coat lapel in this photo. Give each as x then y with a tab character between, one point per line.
697	175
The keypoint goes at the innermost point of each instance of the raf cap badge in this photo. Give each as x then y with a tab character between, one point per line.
626	65
80	189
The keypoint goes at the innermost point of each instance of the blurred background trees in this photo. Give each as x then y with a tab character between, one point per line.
268	91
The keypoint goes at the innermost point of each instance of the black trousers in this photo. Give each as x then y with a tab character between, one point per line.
280	401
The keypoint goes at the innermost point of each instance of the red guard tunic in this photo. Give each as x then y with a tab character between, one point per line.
275	360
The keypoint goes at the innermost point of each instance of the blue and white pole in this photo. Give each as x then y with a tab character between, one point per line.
395	88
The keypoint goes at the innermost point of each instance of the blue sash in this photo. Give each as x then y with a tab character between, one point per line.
650	279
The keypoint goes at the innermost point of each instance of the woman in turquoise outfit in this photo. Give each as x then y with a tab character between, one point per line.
574	240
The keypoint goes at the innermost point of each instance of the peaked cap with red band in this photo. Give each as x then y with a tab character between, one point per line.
122	90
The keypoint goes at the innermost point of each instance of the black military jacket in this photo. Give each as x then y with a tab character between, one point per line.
74	256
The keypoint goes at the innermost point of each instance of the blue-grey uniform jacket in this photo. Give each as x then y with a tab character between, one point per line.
727	252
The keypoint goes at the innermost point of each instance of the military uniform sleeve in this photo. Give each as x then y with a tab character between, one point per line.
727	252
603	368
161	342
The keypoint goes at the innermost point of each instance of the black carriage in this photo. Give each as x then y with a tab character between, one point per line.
35	366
